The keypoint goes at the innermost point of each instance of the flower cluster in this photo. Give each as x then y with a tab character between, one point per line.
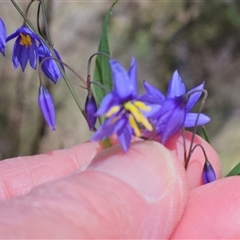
29	47
127	113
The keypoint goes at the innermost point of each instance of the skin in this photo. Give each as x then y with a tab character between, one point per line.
88	192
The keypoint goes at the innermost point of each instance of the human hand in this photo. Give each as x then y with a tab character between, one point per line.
145	193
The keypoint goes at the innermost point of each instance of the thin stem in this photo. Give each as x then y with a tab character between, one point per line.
204	152
38	19
27	10
46	23
184	144
66	65
195	127
100	85
88	69
91	57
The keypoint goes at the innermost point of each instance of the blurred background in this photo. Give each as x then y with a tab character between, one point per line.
201	39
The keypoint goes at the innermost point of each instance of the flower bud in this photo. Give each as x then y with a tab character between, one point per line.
208	174
49	67
46	105
90	110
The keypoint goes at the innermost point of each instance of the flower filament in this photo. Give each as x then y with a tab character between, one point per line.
25	40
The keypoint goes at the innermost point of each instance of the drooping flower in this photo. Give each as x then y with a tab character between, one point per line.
25	48
46	106
122	108
3	36
208	174
90	110
50	66
174	109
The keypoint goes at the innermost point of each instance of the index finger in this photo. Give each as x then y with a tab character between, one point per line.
19	175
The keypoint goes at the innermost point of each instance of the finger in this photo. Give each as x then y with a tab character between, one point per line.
141	194
195	166
212	212
19	175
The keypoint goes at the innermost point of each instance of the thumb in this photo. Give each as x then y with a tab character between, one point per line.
140	194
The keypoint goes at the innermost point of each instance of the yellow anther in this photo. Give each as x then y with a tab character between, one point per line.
112	111
137	114
133	110
142	106
134	126
146	124
25	40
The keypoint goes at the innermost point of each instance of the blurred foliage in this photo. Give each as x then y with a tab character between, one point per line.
199	38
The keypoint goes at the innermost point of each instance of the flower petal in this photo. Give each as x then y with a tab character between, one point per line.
172	116
195	94
190	120
16	52
108	101
132	73
154	92
32	54
3	35
124	137
108	128
176	86
122	85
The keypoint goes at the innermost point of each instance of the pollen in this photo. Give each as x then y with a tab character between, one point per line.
25	40
112	111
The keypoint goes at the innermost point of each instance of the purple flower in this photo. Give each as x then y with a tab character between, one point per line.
173	110
208	174
25	48
46	106
124	112
90	110
3	35
50	66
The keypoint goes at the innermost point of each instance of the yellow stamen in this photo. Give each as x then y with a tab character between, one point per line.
142	106
134	126
140	118
25	40
146	124
112	111
133	110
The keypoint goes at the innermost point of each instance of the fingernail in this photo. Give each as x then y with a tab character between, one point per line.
147	166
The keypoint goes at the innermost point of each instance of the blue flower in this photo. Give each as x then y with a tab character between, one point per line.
25	48
46	106
50	66
124	112
3	35
174	109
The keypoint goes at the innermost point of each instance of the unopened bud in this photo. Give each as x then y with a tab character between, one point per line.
208	174
90	110
47	108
